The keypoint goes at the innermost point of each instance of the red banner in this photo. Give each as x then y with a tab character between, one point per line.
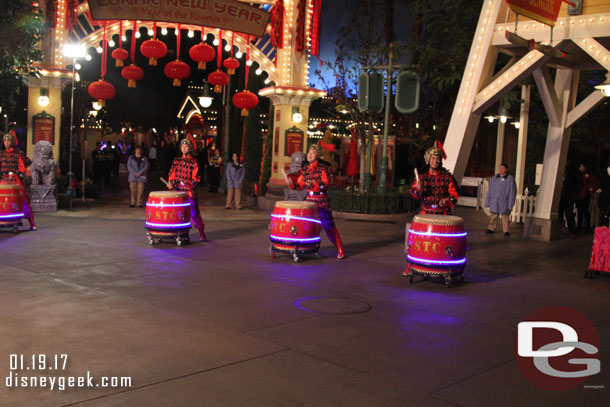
226	14
545	11
43	128
293	141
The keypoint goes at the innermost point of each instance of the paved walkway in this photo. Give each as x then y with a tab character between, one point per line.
221	324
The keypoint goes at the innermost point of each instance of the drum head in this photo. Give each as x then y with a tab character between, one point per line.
440	220
168	194
296	205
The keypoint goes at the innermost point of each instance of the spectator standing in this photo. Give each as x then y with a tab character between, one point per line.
215	163
138	166
152	155
589	186
235	179
571	187
501	199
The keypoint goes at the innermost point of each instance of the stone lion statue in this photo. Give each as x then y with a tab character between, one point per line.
43	165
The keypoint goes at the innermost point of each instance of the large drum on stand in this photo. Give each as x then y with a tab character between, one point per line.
168	216
295	229
11	206
437	248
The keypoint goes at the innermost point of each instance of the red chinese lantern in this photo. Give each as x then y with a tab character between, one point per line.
132	73
202	53
153	50
245	100
120	55
219	79
102	91
177	70
231	64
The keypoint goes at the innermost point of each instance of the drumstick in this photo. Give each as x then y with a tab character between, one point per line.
416	173
285	176
164	181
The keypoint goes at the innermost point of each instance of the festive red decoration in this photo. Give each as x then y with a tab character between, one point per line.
120	55
328	147
277	24
177	70
315	28
245	100
102	91
231	64
132	73
202	53
300	37
153	50
219	79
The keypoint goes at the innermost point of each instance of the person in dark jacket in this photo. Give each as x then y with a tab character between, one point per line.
572	185
604	198
235	179
589	186
138	166
501	199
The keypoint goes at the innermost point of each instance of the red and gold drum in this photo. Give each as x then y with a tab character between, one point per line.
295	228
11	205
168	216
437	246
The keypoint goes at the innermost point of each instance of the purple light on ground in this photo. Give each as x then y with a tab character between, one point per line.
167	226
293	239
295	217
437	262
166	205
438	234
17	215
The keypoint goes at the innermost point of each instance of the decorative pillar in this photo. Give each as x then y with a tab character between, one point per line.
289	135
44	121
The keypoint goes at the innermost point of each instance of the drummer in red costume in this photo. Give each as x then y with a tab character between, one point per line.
316	178
13	163
184	177
437	188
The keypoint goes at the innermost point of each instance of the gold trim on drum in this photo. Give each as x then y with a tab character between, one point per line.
295	205
439	220
168	194
9	186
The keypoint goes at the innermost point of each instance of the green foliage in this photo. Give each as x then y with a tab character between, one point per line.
21	28
254	145
266	170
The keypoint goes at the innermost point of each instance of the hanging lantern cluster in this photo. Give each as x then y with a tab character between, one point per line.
246	100
218	78
120	54
102	90
153	49
133	72
231	63
177	70
202	53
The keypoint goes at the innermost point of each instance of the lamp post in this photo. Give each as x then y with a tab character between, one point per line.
205	100
73	51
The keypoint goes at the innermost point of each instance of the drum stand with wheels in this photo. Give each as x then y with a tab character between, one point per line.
294	250
12	224
181	236
452	275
